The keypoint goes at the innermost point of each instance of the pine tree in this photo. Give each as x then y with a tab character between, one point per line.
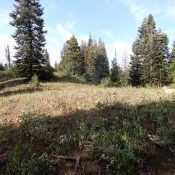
136	65
160	59
63	62
114	69
72	60
7	55
46	58
96	61
1	67
172	64
91	64
150	55
147	31
124	72
101	63
90	41
84	52
29	37
56	65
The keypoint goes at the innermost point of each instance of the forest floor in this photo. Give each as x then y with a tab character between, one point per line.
46	129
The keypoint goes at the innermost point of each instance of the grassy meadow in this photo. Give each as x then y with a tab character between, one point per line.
111	130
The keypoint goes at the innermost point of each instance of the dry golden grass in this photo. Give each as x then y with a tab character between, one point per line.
121	115
60	97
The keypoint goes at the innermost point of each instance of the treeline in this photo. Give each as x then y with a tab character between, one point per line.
150	64
89	59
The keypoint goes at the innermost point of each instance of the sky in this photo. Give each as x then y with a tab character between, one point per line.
114	21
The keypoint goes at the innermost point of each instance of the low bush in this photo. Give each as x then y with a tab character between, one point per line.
35	81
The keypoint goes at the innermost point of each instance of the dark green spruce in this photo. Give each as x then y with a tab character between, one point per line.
115	69
136	65
29	36
149	62
72	60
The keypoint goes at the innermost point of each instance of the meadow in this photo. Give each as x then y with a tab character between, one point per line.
70	127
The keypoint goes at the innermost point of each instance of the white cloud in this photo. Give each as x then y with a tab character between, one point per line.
140	9
66	30
123	48
53	41
56	38
71	24
54	54
108	34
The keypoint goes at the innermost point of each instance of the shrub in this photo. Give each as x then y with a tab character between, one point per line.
35	81
30	164
47	73
106	82
9	74
122	160
37	129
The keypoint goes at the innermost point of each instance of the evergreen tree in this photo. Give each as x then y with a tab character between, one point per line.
136	65
7	55
90	41
46	58
56	65
150	55
147	31
84	52
160	59
97	66
29	37
48	70
124	72
101	63
172	64
115	69
91	64
63	63
72	60
1	67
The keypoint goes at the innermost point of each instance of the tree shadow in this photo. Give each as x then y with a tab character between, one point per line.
20	91
12	83
69	79
53	135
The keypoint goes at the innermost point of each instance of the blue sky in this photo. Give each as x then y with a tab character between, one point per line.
114	21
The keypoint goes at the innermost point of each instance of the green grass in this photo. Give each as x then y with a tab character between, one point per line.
107	127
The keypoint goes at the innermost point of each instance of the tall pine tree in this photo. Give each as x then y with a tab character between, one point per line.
160	59
101	64
46	58
147	31
150	55
172	64
114	69
136	65
72	59
97	66
29	37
